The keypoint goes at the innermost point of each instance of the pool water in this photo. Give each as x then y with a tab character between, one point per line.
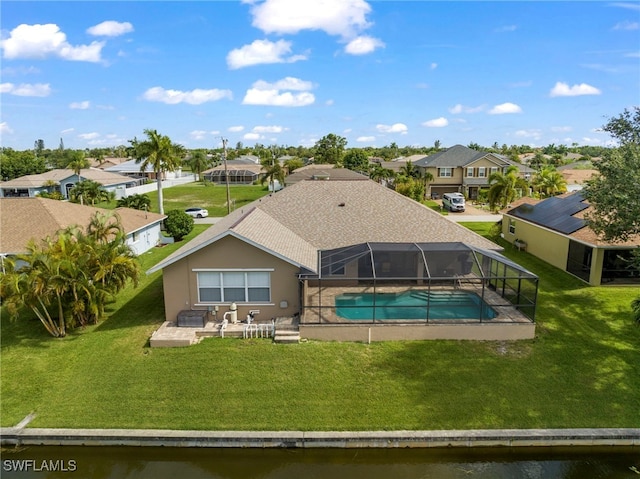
412	305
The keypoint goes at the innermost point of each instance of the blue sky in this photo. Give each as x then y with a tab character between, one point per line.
96	74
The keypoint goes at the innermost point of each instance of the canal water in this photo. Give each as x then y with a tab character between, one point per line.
208	463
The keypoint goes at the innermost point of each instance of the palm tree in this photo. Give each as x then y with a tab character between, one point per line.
378	173
549	182
199	162
272	171
104	227
89	191
160	153
503	187
78	163
292	164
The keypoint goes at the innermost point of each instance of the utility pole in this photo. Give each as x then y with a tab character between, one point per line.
226	174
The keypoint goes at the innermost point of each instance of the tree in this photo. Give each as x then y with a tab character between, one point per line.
625	127
411	187
549	182
160	153
89	191
138	202
273	172
199	162
356	159
378	173
503	189
614	193
14	164
178	224
71	276
77	162
292	164
329	149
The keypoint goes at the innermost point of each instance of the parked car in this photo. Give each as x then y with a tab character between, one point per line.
197	212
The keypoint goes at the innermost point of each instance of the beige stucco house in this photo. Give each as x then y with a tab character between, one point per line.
555	231
267	257
464	170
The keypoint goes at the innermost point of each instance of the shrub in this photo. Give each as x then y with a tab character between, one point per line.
178	224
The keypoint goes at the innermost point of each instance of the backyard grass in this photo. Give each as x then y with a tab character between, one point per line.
581	370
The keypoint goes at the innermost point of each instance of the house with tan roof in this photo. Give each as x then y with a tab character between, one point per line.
62	180
305	252
24	219
555	230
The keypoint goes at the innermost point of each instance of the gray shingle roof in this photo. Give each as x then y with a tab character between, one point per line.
456	156
312	215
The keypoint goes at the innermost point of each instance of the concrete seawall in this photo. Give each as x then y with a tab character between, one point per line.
16	436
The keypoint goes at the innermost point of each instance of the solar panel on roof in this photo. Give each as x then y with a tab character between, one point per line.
555	213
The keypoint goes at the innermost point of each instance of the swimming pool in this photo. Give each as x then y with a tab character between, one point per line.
412	305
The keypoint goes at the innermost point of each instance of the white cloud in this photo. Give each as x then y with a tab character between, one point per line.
395	128
630	6
563	89
505	108
506	28
269	129
261	52
252	136
366	139
344	18
198	134
110	28
41	41
632	55
459	108
362	45
26	89
433	66
531	133
5	128
235	129
329	102
89	136
626	25
264	93
436	122
80	105
193	97
68	130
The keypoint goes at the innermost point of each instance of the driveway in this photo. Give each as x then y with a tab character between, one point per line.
471	213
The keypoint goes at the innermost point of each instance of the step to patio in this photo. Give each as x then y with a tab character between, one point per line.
286	336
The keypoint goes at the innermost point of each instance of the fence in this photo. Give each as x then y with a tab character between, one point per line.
153	186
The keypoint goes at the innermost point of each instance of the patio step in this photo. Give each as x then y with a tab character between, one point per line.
287	336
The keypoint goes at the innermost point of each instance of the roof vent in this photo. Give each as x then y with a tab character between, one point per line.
320	176
341	204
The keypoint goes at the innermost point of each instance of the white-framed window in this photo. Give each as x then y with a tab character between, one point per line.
482	172
512	226
494	169
135	236
237	286
445	172
470	172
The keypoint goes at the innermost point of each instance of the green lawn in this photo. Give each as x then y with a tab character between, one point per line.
582	370
212	197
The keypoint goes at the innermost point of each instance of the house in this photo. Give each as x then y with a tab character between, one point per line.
464	170
293	253
23	219
323	172
239	173
132	168
61	180
555	231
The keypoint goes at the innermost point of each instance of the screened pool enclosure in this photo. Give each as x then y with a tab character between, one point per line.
417	283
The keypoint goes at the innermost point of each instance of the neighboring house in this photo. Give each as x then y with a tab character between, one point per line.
61	180
576	178
132	169
555	231
464	170
270	256
23	219
105	162
239	173
322	172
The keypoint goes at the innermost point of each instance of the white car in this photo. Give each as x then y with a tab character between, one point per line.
197	212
